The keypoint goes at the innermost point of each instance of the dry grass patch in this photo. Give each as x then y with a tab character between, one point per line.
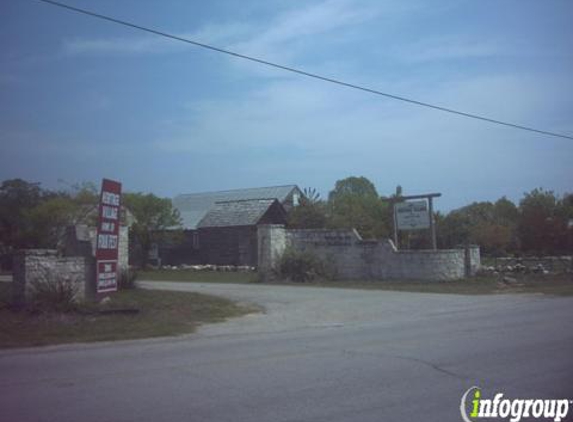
131	314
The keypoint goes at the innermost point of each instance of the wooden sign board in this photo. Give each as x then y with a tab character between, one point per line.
413	215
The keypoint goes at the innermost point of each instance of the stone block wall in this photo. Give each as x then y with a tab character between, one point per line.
354	258
37	265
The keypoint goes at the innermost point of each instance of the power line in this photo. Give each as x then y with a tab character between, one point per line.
304	73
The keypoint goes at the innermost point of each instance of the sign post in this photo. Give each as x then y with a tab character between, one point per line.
414	215
107	239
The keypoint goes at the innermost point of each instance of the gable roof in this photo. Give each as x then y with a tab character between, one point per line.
193	207
238	213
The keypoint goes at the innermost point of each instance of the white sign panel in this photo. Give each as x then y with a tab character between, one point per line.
412	215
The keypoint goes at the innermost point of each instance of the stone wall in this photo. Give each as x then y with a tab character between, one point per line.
40	265
351	257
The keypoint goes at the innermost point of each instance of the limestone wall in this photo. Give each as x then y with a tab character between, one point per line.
272	241
354	258
41	265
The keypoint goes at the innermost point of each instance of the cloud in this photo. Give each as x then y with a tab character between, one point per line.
217	34
321	119
265	39
302	24
447	49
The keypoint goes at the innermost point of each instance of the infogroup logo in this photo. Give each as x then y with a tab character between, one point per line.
515	409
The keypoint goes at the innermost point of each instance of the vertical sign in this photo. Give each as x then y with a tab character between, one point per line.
107	240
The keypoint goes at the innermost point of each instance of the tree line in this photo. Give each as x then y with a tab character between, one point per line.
541	223
33	217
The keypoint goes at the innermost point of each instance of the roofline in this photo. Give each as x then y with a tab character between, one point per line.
294	185
246	200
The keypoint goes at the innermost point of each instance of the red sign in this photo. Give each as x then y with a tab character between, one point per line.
107	240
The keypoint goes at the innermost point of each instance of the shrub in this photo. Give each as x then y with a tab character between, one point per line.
126	279
299	266
53	292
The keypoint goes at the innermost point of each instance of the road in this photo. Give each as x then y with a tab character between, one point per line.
316	354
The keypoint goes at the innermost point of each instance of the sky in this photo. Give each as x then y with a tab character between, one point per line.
82	99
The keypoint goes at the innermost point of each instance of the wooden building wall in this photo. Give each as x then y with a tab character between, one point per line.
228	245
185	252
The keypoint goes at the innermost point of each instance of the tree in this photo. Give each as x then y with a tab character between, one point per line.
154	218
491	226
541	225
565	212
354	203
308	215
16	198
355	186
49	220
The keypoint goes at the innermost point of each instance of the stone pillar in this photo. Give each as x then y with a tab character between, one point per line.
272	241
472	260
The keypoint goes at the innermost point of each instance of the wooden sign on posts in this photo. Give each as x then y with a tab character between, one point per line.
107	239
414	215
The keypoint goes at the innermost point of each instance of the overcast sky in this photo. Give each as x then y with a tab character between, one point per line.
82	99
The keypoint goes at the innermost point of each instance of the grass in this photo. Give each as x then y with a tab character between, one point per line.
161	313
560	285
551	284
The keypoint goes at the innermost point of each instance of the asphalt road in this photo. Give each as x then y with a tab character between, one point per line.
316	354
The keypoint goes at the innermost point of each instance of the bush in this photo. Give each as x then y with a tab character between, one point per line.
301	266
126	279
54	293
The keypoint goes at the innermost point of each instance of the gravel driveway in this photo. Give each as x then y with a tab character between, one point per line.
288	308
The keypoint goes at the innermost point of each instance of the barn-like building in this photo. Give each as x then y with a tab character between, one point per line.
220	228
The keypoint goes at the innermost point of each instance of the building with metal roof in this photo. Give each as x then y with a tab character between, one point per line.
193	207
221	227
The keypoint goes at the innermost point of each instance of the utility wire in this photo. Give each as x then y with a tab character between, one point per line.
302	72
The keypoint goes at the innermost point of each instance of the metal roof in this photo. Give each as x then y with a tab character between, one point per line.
193	207
236	213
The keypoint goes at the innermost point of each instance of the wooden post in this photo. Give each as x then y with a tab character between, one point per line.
429	197
432	225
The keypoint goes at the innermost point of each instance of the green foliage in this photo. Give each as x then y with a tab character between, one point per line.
540	225
153	217
543	223
126	279
31	217
354	186
490	225
301	267
16	197
354	203
308	215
